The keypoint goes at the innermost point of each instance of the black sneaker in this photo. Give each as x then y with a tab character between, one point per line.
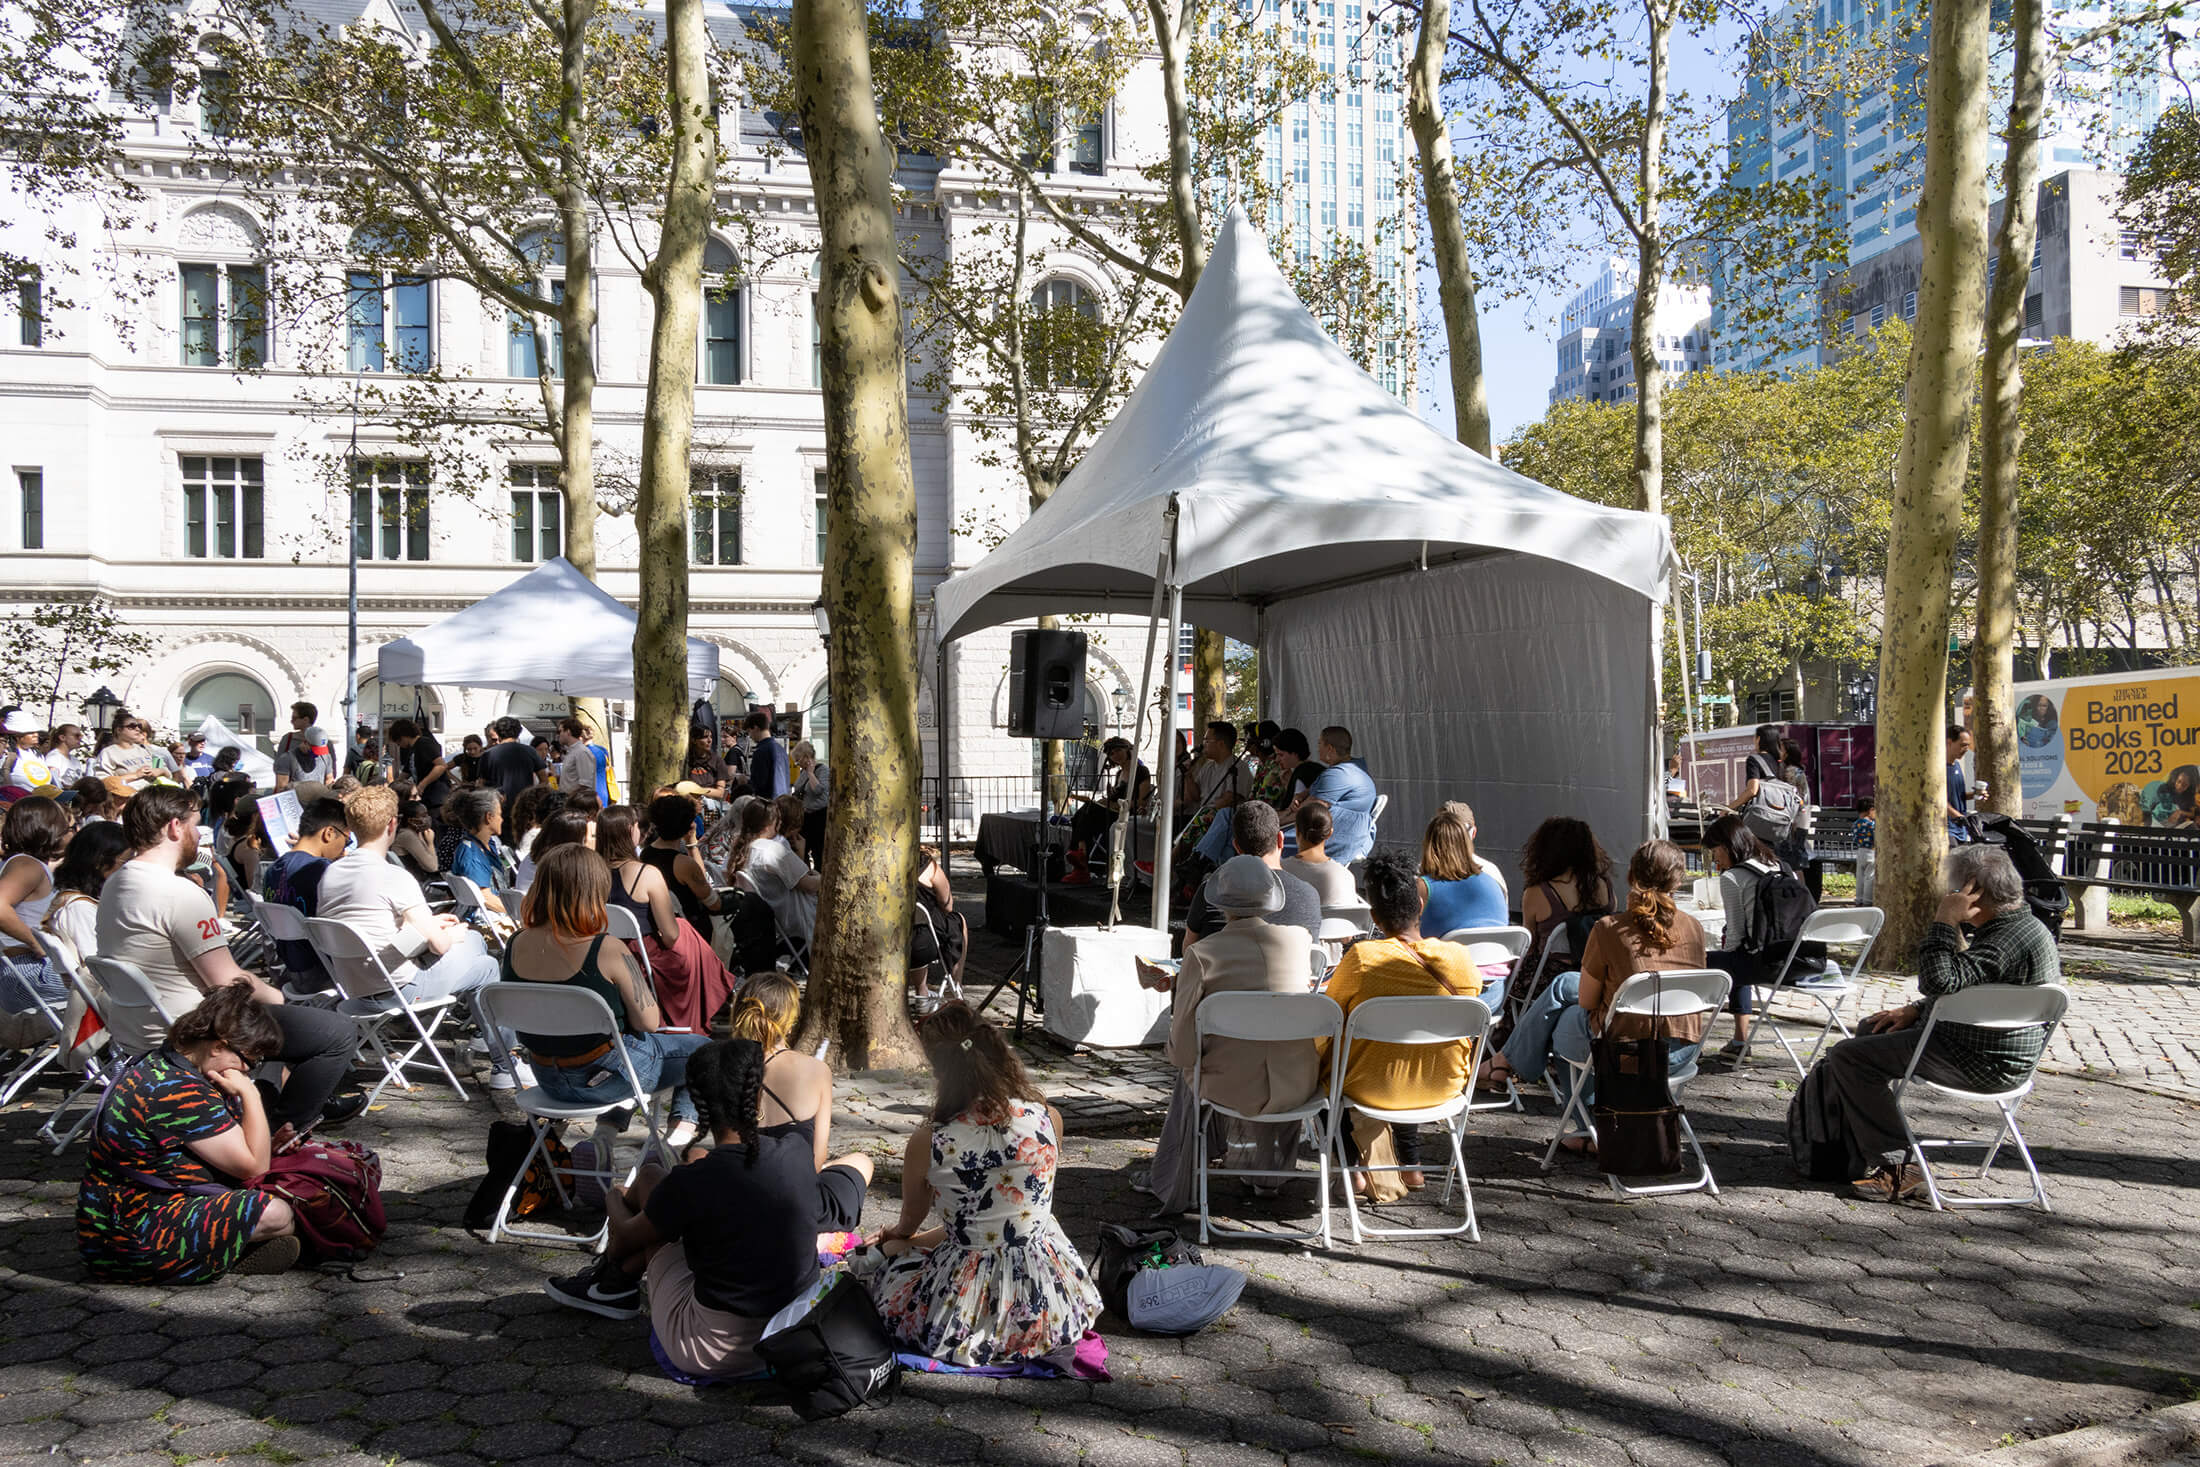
599	1289
343	1106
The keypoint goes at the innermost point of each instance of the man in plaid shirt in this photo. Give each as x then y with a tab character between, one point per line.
1848	1096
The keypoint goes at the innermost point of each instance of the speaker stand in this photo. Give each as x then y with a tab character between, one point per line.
1031	967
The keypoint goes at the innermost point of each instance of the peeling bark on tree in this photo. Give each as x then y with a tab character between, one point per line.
675	284
1929	475
859	961
2001	429
1470	398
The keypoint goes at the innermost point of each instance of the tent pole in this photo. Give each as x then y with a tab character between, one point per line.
1123	849
946	796
1164	825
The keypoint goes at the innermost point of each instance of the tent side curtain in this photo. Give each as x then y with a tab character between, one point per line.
1513	684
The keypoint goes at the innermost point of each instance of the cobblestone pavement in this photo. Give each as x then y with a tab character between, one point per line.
1776	1323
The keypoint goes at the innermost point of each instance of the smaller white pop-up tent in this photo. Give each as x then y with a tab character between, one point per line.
250	760
551	631
1483	636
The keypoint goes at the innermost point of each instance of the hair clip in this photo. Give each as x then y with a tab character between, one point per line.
966	1044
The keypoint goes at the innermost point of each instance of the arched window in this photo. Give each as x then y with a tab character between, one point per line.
388	319
731	700
545	253
1064	336
721	315
237	700
223	286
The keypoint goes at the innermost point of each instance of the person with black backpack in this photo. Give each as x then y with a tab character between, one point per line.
1765	902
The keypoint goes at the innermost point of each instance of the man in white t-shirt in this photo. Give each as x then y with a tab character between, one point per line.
429	956
167	926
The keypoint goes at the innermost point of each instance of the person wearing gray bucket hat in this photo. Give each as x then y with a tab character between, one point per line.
1253	955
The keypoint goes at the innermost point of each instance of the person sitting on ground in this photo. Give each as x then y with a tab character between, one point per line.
427	955
1350	791
563	940
692	985
1251	953
782	877
1097	815
1651	936
1255	832
798	1088
1461	889
1845	1100
1400	961
938	934
728	1238
1565	878
672	852
167	1195
165	925
1743	861
1332	883
294	881
479	855
33	837
998	1282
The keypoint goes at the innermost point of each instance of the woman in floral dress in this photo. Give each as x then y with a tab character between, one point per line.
997	1282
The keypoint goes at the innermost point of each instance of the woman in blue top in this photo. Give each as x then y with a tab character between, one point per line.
480	857
1459	888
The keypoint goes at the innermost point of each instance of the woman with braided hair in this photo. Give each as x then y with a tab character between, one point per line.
728	1238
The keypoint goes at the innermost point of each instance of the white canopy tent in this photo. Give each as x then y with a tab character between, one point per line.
1484	637
551	631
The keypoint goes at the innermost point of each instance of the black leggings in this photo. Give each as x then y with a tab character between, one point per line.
318	1045
1089	824
1404	1140
1745	968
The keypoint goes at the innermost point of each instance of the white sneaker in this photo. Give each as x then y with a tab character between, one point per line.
502	1080
525	1072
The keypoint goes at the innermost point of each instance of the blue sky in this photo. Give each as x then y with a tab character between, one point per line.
1519	337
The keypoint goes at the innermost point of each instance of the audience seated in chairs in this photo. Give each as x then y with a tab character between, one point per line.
692	985
1256	833
167	927
1565	880
166	1196
1651	936
1743	862
1845	1100
294	881
1097	815
479	855
673	850
1250	953
782	878
34	835
998	1282
1350	791
565	938
1403	960
728	1237
1461	889
78	879
1217	781
429	955
939	935
1332	883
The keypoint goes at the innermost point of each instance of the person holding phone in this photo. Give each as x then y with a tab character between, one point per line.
1846	1098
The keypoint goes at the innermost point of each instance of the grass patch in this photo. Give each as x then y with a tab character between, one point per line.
2141	909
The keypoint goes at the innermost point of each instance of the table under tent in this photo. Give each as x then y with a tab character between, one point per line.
1485	638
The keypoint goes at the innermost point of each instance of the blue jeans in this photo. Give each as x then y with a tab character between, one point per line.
22	977
659	1060
1218	844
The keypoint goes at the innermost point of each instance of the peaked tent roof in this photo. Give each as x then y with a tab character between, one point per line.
551	631
1292	469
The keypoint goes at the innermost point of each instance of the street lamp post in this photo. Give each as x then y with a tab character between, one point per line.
1121	697
100	707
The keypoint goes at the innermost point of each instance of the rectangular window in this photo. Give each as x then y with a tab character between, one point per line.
2127	245
1085	147
523	360
1909	306
224	316
1879	315
817	344
388	325
722	337
223	508
389	510
538	510
821	513
2142	300
715	519
31	486
202	313
30	310
217	103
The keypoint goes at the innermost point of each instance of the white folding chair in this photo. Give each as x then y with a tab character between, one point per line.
1558	950
1359	914
1673	995
950	986
43	1052
287	924
562	1011
1489	946
1333	936
103	1064
1375	817
2000	1006
347	954
1416	1019
1826	984
1268	1018
127	997
466	893
623	926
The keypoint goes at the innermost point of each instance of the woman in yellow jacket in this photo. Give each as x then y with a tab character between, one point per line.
1402	962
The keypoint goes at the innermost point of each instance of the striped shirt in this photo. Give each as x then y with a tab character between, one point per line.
2014	948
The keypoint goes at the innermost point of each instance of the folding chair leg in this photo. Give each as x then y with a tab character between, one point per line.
1574	1119
2009	1134
32	1066
1703	1181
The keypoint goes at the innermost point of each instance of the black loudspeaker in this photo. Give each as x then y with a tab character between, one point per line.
1046	684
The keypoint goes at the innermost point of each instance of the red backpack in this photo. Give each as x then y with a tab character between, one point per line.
335	1190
